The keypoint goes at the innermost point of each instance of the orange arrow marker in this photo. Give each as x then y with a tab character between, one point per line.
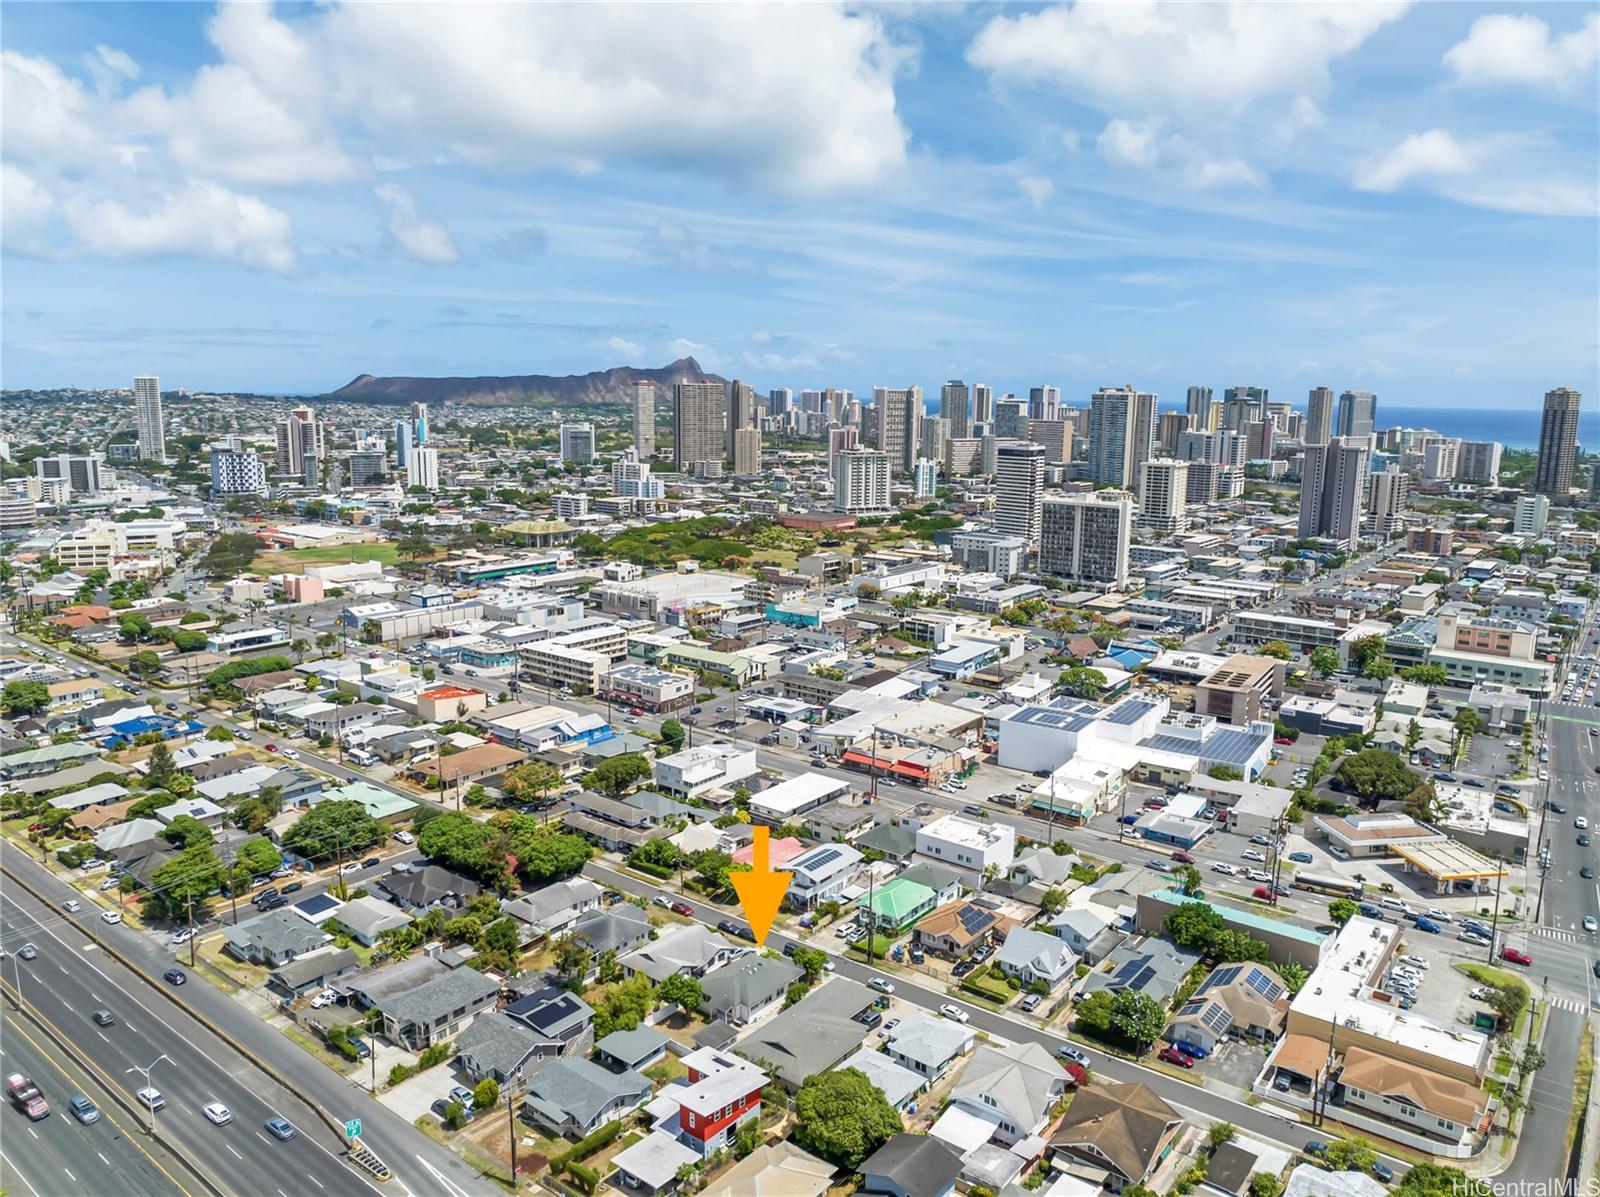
760	890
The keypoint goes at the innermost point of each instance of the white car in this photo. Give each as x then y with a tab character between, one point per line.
325	998
1416	962
355	866
1589	924
1580	822
1227	870
217	1114
1439	916
179	938
955	1012
662	900
111	916
880	985
72	906
1259	876
848	931
405	837
1252	854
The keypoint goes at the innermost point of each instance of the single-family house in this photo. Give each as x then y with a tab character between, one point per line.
312	973
1089	930
780	1169
1154	968
1249	1001
955	928
928	1046
418	890
498	1047
812	1035
911	1166
688	948
898	1084
612	929
1124	1130
439	1009
1015	1089
274	939
637	1049
573	1096
553	909
821	874
561	1022
748	989
366	918
1034	957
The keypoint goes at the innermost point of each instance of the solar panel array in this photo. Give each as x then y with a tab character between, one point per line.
1258	979
974	920
824	856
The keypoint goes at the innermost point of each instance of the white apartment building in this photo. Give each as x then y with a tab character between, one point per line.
861	482
1086	537
925	479
1019	489
147	418
1163	495
967	846
695	771
630	478
236	471
570	507
1532	513
989	552
422	467
577	659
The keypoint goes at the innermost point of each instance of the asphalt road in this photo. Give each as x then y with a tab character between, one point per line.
203	1069
1542	1160
60	1155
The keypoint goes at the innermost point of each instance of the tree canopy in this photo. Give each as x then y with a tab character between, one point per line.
1375	773
683	989
1137	1017
329	827
844	1117
508	844
24	698
619	773
530	780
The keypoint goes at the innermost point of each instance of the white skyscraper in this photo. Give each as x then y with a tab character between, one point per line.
147	418
1387	491
1333	485
236	470
861	482
630	478
699	425
299	441
1441	459
577	443
1357	415
955	406
1044	403
1478	461
644	420
1086	537
1532	513
422	467
1019	489
1163	495
897	424
1319	416
982	403
925	479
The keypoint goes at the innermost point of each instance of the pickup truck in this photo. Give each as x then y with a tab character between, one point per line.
25	1095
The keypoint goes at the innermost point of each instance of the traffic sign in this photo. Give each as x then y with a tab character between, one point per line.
352	1128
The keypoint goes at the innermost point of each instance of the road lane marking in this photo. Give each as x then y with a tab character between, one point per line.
315	1181
263	1138
103	1159
236	1155
33	1132
68	1171
102	1036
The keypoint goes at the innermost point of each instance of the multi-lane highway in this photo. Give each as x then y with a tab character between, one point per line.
61	1154
71	977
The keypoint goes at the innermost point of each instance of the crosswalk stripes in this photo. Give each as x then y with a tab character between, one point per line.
1566	1003
1562	934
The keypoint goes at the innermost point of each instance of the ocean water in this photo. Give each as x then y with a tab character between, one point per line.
1515	428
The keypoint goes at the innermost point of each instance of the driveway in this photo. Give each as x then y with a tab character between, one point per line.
411	1098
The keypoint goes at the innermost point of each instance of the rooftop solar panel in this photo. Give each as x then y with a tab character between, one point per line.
974	919
824	857
1217	1018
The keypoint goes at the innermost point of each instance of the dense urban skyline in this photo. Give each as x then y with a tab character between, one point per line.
1378	198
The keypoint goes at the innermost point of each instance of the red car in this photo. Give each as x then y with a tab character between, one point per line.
1282	740
272	748
1172	1055
1515	956
636	710
682	908
1183	858
1263	893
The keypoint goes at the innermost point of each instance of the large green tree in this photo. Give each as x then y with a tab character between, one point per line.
1193	925
330	827
683	989
618	774
1439	1180
529	781
1083	682
1375	773
1137	1017
24	698
1349	1155
843	1117
1324	661
192	875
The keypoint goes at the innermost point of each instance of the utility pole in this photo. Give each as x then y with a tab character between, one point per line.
189	901
511	1126
1495	925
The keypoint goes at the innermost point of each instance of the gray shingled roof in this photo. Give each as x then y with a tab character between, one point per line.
440	996
920	1165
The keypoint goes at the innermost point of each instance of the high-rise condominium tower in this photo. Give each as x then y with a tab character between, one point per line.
741	409
1197	405
644	420
422	467
954	406
1019	489
1243	405
1044	403
982	403
699	418
1163	495
1358	414
1333	485
1010	419
746	453
861	482
299	442
419	423
147	418
897	424
1122	432
779	400
577	443
1387	491
1086	537
1558	442
1319	415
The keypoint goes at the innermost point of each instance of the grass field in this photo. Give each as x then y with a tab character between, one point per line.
295	560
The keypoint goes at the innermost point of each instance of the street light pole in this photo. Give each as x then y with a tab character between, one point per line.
145	1072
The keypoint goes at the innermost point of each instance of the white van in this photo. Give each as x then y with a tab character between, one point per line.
1337	852
1395	904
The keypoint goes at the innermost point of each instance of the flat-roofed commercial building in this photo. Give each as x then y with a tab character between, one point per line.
1240	689
649	688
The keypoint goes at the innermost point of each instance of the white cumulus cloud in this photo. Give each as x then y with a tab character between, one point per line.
1504	173
1146	145
1434	154
200	219
417	235
1521	51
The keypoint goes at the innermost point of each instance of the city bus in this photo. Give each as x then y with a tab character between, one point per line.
1336	887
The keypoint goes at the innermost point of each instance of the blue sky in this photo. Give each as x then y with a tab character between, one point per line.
1400	199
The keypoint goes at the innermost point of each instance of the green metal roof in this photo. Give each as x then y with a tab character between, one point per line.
895	900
